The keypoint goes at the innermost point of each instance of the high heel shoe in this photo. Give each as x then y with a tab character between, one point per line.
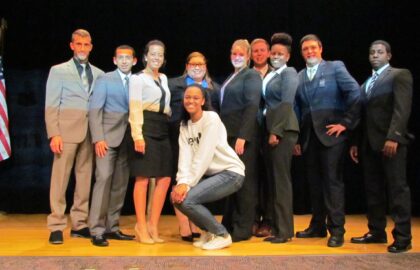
196	235
188	238
154	234
143	240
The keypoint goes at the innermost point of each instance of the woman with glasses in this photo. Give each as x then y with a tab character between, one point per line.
195	73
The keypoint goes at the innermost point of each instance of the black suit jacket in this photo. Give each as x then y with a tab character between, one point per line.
177	87
387	110
241	100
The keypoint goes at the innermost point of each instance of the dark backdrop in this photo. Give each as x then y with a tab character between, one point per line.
39	33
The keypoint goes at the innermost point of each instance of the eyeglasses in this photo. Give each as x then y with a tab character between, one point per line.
200	65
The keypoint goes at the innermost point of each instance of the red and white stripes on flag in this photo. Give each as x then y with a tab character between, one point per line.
5	149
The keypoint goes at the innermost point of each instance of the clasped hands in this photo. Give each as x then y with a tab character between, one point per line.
179	193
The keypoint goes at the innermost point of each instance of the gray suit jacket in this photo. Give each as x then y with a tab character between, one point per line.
66	102
279	97
108	109
387	110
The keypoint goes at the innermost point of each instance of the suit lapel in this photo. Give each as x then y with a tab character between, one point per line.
120	84
314	84
76	77
378	82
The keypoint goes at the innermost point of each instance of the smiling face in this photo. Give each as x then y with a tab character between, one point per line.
196	68
279	55
124	60
378	56
239	56
193	101
260	54
312	52
81	47
155	57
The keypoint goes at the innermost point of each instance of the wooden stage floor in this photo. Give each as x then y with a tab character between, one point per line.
27	235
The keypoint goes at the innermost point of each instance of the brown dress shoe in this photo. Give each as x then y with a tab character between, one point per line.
263	231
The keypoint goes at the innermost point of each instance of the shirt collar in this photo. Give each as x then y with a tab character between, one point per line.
379	71
123	75
189	81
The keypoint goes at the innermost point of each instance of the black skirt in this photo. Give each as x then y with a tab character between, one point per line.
157	161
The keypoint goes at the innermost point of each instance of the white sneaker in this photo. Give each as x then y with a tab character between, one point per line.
218	242
204	238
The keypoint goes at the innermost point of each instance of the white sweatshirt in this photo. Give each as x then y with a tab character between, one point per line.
204	150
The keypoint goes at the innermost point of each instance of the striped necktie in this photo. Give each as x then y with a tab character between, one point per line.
372	83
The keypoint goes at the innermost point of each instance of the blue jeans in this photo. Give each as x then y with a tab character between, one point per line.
208	190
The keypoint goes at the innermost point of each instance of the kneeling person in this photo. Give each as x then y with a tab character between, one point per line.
208	168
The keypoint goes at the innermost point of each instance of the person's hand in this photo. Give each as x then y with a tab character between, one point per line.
273	140
297	150
140	146
56	144
354	153
240	146
390	148
101	148
179	193
335	128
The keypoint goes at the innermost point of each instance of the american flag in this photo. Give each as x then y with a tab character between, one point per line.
5	150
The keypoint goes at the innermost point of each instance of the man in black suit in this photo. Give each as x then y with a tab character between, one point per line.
327	105
387	96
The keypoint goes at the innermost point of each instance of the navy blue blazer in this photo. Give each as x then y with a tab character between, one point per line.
332	97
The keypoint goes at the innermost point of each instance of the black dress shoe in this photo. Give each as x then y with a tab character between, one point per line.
240	238
118	235
335	241
268	239
311	232
56	237
99	241
279	240
399	247
82	233
369	238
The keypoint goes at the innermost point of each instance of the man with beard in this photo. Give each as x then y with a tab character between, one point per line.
327	105
66	118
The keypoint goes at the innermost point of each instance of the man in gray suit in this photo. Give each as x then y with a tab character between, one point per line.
66	104
108	119
387	96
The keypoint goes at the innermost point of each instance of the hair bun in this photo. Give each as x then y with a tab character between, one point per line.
281	38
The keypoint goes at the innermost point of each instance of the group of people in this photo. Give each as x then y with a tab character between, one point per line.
234	141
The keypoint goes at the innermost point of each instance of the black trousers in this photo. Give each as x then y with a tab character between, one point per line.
325	177
386	178
239	214
280	184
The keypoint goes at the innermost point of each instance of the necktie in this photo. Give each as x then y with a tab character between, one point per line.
85	80
311	73
126	81
372	83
